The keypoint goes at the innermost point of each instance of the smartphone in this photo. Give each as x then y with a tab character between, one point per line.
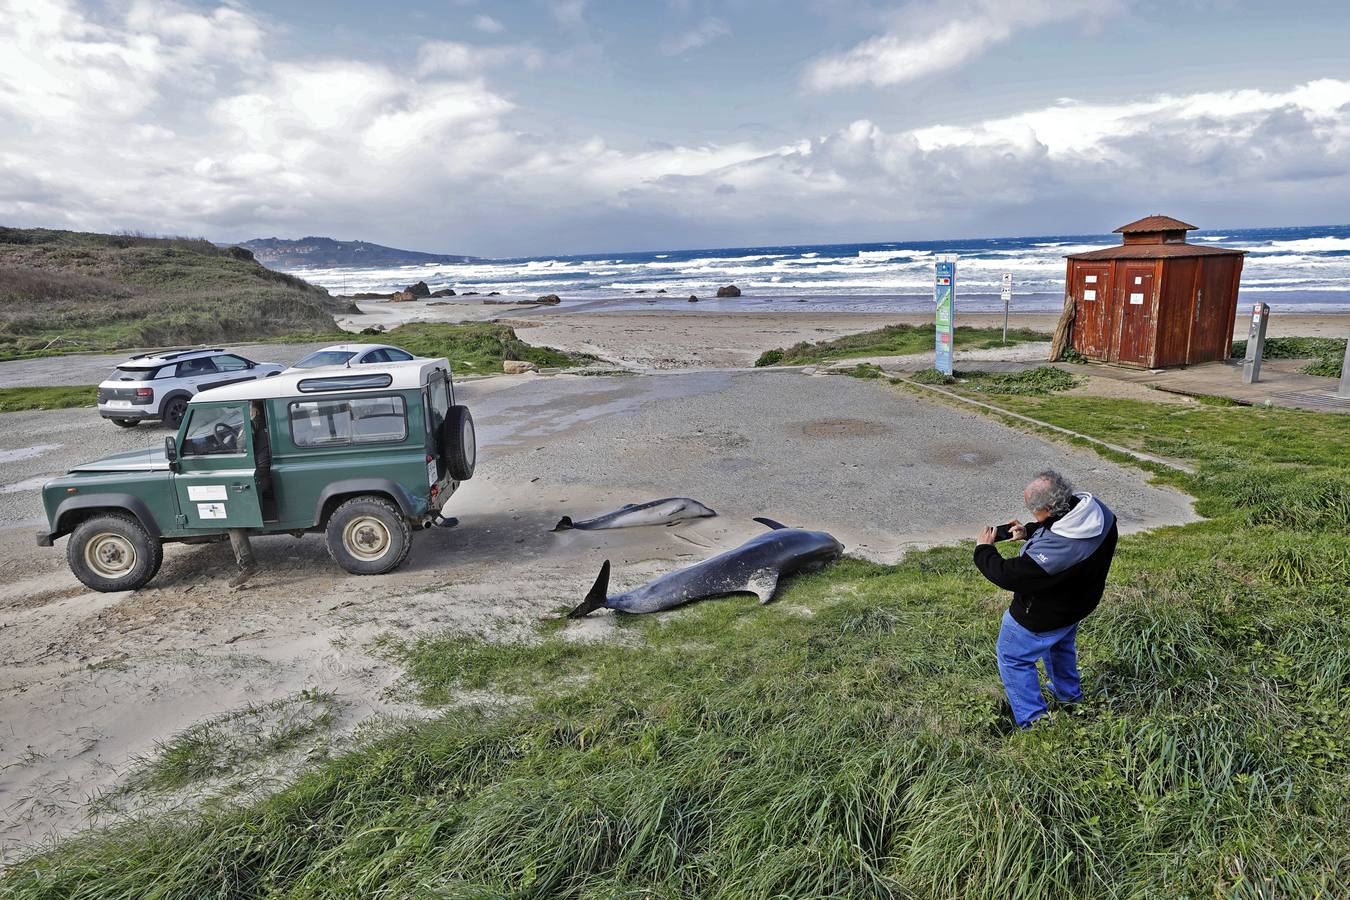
1003	532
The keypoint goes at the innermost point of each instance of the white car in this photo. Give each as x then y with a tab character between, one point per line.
158	385
352	355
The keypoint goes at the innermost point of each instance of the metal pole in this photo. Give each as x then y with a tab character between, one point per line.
1345	374
1007	298
1256	344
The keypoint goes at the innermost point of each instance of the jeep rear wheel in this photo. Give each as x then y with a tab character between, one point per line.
113	552
174	410
459	443
368	536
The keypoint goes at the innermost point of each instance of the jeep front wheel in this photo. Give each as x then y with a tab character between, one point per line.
368	536
113	552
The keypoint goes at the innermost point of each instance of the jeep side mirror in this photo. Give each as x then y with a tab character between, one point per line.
171	452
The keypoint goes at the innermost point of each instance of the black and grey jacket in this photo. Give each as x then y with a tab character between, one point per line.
1059	576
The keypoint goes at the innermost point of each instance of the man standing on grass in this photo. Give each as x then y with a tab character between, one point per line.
1056	580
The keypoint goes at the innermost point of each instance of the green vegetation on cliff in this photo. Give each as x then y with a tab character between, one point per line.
63	291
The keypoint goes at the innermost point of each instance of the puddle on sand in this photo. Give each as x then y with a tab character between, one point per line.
8	456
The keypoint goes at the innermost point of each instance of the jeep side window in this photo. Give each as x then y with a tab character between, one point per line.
214	431
440	403
358	420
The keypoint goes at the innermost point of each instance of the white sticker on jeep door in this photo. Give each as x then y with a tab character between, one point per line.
206	492
210	510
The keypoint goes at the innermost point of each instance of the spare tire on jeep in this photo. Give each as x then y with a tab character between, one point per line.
459	443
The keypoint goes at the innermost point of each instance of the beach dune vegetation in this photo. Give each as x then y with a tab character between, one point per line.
64	291
891	340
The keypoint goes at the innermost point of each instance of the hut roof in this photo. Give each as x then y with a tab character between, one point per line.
1155	223
1155	251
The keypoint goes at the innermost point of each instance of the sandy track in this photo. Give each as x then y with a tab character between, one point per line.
92	681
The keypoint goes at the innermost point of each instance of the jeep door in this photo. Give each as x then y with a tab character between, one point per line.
217	479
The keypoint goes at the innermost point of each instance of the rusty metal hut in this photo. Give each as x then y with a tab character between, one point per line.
1154	301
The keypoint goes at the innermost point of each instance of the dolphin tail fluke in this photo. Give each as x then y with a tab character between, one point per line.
769	523
564	524
597	596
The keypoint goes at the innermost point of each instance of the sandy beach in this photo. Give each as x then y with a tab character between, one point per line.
668	339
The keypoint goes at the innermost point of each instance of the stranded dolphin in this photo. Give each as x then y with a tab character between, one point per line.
754	567
656	512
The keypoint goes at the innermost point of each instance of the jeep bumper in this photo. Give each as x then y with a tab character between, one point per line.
45	538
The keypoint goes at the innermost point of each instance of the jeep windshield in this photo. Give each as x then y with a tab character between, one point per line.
324	358
134	373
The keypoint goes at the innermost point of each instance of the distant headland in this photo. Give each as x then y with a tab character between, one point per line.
322	252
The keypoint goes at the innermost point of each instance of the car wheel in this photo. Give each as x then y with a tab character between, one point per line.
174	410
126	423
368	536
459	443
113	552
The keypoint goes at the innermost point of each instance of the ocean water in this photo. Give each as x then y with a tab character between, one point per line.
1303	269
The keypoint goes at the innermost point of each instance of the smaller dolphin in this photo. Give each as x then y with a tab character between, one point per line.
754	567
655	512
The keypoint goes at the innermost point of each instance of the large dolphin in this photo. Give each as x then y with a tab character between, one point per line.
754	567
656	512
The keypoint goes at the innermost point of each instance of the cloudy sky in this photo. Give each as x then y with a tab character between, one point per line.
551	126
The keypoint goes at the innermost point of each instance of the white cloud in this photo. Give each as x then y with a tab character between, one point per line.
704	33
934	38
454	58
488	25
163	127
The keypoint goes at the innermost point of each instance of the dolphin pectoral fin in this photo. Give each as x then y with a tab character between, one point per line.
563	524
769	523
596	598
763	584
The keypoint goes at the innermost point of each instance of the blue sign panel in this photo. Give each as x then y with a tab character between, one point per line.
944	295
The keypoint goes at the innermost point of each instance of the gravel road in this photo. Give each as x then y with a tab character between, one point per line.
91	368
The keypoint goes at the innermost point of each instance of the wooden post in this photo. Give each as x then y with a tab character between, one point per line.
1063	339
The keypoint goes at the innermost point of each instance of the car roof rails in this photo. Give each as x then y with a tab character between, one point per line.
150	353
177	353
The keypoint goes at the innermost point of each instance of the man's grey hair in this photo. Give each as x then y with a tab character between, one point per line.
1050	490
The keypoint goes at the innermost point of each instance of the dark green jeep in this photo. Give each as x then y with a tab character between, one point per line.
364	455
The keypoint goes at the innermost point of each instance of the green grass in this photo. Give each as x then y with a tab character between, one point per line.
1327	354
845	741
19	399
226	744
892	340
64	291
472	347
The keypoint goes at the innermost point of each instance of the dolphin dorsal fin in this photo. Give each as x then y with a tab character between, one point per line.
769	523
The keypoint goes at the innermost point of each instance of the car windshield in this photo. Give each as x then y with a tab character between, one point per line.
128	373
324	358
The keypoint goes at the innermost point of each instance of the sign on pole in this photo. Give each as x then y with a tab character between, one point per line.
944	295
1006	294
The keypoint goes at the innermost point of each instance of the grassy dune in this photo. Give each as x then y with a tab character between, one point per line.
62	291
846	740
892	340
1327	354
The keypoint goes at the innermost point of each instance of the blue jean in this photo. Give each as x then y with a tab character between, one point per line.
1018	650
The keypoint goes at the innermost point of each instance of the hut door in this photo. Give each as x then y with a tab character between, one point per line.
1136	316
1092	311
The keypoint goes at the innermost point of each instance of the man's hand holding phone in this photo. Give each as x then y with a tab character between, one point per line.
1013	531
